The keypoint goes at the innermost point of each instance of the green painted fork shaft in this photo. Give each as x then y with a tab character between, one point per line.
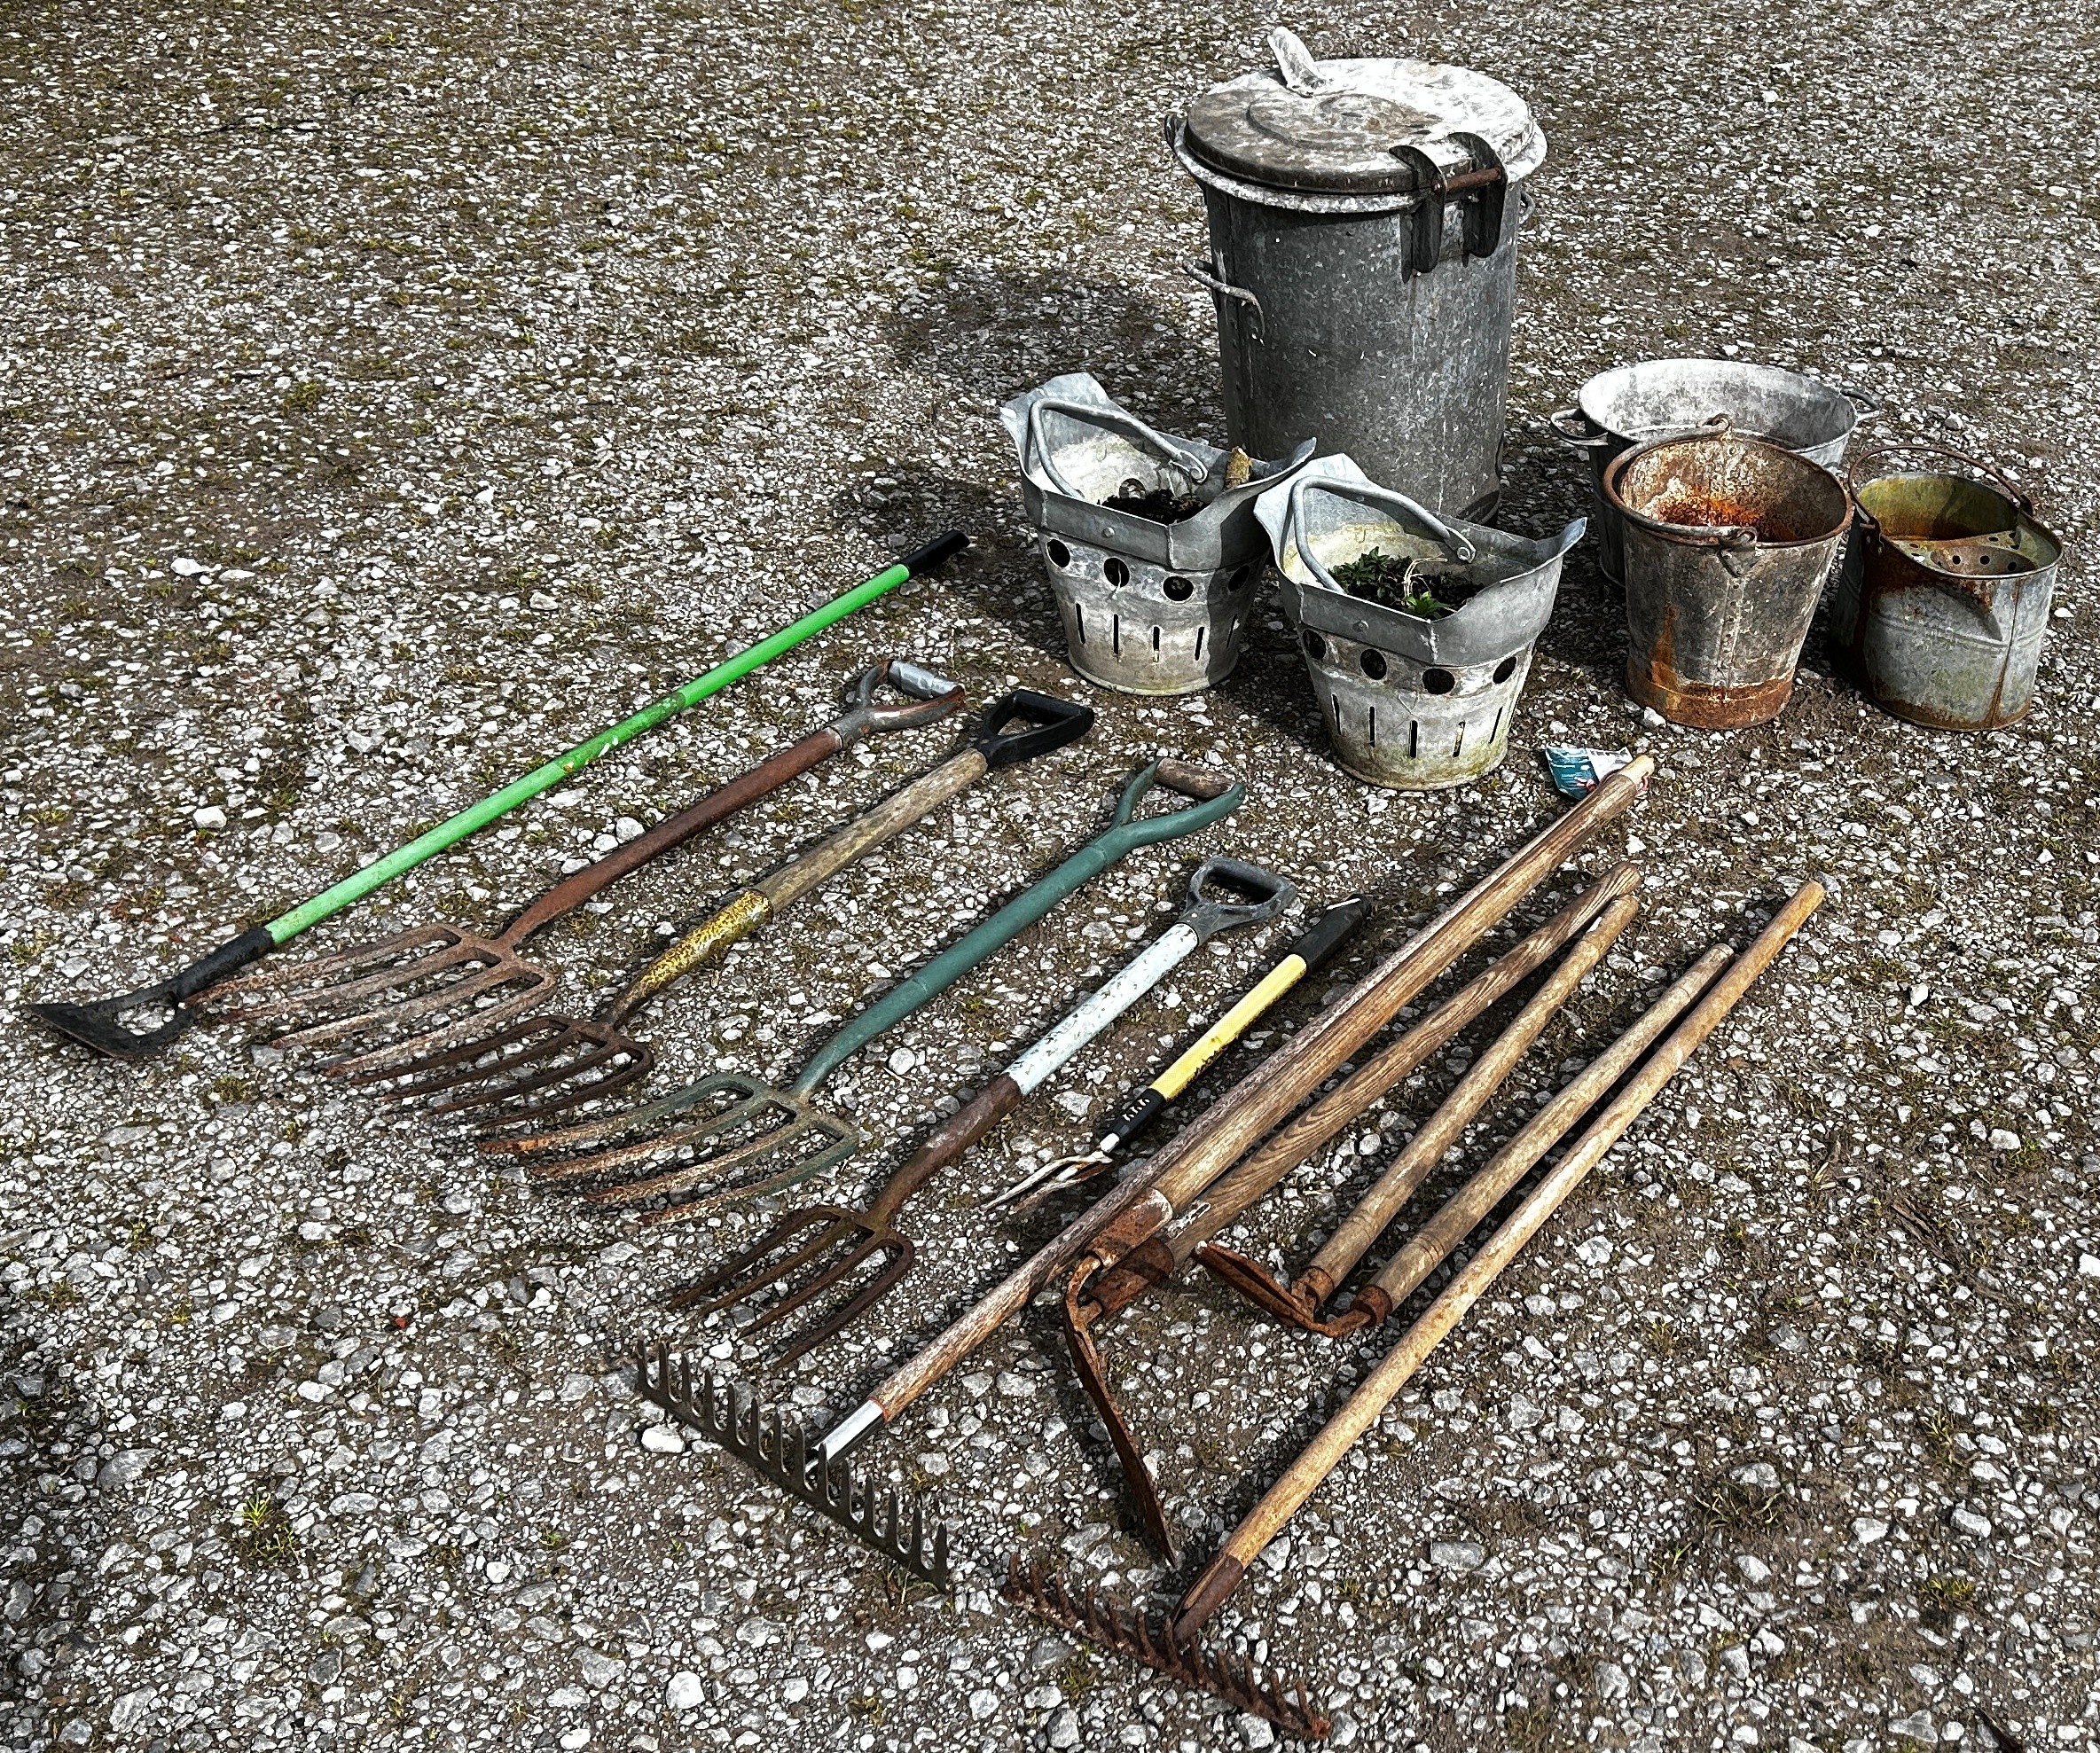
454	829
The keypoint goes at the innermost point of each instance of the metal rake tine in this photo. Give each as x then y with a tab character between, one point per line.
846	1143
877	1289
611	1125
755	1255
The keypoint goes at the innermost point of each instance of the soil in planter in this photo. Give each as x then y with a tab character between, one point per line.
1154	504
1383	578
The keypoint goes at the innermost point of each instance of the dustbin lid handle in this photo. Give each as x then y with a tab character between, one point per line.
1115	420
1455	542
1301	72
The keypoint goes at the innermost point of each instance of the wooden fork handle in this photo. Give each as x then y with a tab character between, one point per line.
945	1144
719	805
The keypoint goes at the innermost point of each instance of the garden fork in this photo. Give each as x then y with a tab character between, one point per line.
420	989
846	1240
780	1137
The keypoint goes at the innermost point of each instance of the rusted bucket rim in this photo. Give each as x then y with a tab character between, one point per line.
1721	431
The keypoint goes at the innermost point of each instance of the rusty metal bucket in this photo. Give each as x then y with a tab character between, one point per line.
1414	700
1727	543
1630	404
1943	601
1149	608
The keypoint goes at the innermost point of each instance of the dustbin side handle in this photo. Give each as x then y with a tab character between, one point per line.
1205	274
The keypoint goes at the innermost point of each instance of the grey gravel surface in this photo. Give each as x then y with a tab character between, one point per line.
394	393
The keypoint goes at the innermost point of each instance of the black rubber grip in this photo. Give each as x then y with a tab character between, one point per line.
1329	932
252	945
1047	724
942	549
1136	1113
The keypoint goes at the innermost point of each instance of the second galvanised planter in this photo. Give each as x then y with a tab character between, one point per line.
1414	702
1149	607
1727	543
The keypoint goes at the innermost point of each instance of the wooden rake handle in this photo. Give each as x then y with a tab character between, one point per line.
1378	1390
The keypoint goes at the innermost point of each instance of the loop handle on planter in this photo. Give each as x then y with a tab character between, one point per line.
1453	542
1895	447
1117	420
1205	274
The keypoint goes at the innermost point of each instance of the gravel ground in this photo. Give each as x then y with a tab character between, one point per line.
397	392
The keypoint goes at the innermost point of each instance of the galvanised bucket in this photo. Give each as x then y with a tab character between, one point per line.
1411	701
1149	608
1943	599
1727	543
1363	218
1631	404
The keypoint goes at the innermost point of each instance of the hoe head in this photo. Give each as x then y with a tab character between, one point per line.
521	1075
839	1242
742	1138
1277	1698
388	1000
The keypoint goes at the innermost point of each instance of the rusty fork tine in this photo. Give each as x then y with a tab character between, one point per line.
530	984
685	1174
845	1142
463	1060
870	1241
309	981
884	1281
757	1253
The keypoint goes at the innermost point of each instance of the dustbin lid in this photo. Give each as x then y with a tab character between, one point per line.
1336	125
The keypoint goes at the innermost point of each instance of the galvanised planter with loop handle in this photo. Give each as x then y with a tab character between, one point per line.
1412	699
1150	604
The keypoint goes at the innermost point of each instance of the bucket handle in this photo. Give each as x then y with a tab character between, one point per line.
1455	542
1865	403
2021	501
1571	426
1117	420
1205	274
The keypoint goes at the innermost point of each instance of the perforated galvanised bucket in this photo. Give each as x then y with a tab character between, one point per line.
1943	599
1728	541
1411	701
1363	218
1148	607
1631	405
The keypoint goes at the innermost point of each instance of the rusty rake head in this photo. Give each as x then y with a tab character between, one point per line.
750	1140
1277	1698
494	1081
844	1241
390	1000
775	1446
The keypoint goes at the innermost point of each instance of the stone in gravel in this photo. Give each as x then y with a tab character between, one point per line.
664	1439
1458	1555
1255	1732
1065	1727
1868	1529
685	1691
1966	1521
210	817
122	1467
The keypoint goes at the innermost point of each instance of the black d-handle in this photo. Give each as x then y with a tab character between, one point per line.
1044	723
1225	892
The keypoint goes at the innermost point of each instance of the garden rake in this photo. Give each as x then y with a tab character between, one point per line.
521	1074
101	1025
778	1137
846	1240
423	988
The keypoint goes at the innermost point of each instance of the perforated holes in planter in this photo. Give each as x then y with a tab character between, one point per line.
1149	607
1411	701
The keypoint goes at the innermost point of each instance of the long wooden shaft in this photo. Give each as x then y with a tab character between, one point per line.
1353	1236
1431	1245
1376	1391
1253	1107
1253	1178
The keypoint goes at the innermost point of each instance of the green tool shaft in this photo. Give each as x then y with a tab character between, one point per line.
454	829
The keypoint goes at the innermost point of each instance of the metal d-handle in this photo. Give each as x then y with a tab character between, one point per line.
1455	542
1205	274
1571	426
927	699
1117	420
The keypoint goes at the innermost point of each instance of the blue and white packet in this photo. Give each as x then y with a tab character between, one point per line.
1576	770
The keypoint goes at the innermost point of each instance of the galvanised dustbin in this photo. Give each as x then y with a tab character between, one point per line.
1363	261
